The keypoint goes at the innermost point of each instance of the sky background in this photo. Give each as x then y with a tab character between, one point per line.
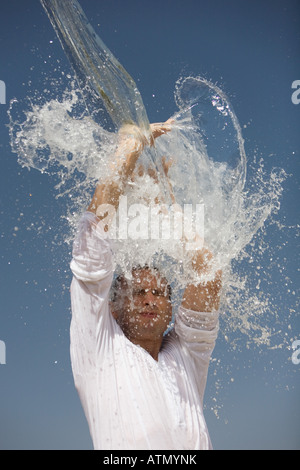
251	49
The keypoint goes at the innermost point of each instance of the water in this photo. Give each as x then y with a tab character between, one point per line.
72	139
103	80
57	139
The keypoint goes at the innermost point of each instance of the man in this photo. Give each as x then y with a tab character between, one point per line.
140	389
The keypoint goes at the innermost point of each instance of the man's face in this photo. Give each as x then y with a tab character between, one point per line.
144	306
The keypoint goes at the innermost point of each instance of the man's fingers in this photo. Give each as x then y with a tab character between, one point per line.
160	128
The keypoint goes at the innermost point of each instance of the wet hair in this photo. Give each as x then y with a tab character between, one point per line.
120	278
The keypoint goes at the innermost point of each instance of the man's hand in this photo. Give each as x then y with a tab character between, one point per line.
161	128
131	144
204	297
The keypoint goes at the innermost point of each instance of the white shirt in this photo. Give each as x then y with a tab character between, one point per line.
130	400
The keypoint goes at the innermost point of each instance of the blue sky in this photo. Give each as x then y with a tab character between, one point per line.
251	50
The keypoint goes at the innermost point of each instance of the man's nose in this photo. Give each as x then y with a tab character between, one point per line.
149	297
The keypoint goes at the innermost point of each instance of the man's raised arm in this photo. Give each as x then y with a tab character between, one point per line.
131	144
203	297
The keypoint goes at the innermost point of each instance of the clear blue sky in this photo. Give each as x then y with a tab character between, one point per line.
249	48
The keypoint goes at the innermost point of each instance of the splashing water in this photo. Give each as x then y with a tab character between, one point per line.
59	140
72	139
103	80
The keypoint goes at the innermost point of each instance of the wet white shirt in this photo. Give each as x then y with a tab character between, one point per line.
130	400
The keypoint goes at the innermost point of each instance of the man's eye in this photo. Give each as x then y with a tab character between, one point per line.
155	292
158	292
139	292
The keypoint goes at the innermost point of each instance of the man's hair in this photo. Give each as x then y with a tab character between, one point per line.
120	278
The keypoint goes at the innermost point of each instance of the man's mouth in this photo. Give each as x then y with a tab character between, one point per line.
149	314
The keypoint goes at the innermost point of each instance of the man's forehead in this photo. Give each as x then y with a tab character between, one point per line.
145	276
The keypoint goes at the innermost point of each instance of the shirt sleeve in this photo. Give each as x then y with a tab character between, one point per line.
92	267
199	329
197	332
92	259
